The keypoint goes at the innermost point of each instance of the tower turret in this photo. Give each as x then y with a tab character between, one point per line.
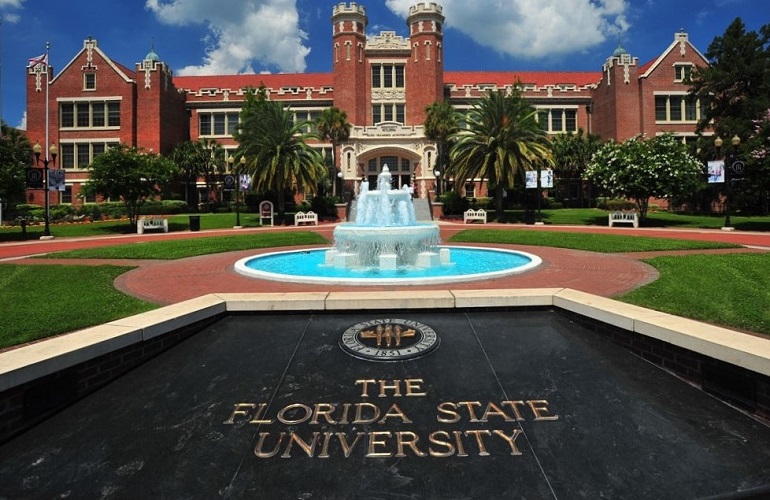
349	39
425	66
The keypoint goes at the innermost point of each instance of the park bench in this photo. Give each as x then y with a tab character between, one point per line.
475	215
151	223
619	217
309	217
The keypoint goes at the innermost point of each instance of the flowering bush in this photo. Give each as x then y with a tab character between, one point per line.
639	169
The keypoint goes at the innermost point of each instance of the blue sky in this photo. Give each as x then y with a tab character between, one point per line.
234	36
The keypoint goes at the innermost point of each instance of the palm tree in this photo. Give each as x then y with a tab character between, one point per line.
333	126
441	121
198	159
277	155
502	142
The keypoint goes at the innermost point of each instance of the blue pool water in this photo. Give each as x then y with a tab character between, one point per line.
308	266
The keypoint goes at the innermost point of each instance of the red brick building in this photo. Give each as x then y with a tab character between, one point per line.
383	82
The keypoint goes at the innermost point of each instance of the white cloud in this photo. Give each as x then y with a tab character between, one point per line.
13	4
533	30
8	17
22	125
242	34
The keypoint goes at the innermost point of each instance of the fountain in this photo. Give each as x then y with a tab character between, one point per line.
385	233
385	245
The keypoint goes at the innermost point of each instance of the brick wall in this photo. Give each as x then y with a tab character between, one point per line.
25	406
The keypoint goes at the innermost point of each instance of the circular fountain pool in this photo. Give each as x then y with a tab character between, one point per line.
309	266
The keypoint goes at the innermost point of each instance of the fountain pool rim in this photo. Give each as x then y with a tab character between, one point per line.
242	268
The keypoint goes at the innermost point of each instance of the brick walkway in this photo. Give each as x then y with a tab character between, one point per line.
167	282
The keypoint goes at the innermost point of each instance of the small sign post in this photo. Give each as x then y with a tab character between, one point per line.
266	212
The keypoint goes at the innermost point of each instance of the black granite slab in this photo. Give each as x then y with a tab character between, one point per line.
521	404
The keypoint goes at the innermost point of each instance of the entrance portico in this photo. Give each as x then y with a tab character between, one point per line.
403	149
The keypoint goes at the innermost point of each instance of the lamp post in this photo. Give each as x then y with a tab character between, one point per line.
52	151
437	173
242	163
732	166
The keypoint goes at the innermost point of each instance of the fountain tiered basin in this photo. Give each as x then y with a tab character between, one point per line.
386	245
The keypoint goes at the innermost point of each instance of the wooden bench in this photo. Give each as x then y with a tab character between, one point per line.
475	215
309	217
151	223
619	217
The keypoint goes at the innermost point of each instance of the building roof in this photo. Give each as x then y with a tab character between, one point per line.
538	78
273	81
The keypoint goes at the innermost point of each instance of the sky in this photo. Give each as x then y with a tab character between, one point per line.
205	37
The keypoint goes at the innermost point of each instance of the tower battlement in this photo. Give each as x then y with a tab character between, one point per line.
345	9
426	9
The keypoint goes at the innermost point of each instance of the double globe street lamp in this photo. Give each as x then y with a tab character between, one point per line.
52	151
242	163
733	167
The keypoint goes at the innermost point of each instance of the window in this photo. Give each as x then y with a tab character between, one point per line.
67	155
80	154
84	155
388	112
89	114
682	72
218	124
387	76
66	195
83	115
681	108
470	189
67	114
98	117
558	120
113	114
400	169
89	81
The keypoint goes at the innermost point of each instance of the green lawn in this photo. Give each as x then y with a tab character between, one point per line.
730	290
605	243
570	216
597	217
179	249
727	290
70	299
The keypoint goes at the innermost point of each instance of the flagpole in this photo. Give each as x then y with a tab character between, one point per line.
1	74
47	84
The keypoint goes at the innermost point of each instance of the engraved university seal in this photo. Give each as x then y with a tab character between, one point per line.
389	339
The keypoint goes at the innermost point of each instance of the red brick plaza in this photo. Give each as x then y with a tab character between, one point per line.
168	282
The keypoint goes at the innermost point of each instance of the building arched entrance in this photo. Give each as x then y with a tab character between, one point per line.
401	169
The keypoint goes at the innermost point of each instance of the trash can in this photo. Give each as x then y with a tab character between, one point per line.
195	223
529	216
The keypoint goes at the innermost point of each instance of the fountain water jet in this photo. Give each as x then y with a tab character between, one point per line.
384	233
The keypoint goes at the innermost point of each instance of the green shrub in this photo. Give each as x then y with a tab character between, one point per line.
454	204
324	206
613	204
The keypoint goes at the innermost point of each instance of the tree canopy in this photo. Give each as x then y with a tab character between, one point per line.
277	155
736	83
333	125
130	175
202	158
572	152
441	122
502	142
639	169
15	156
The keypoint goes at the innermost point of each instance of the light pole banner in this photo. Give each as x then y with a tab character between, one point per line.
56	179
716	171
245	180
546	179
